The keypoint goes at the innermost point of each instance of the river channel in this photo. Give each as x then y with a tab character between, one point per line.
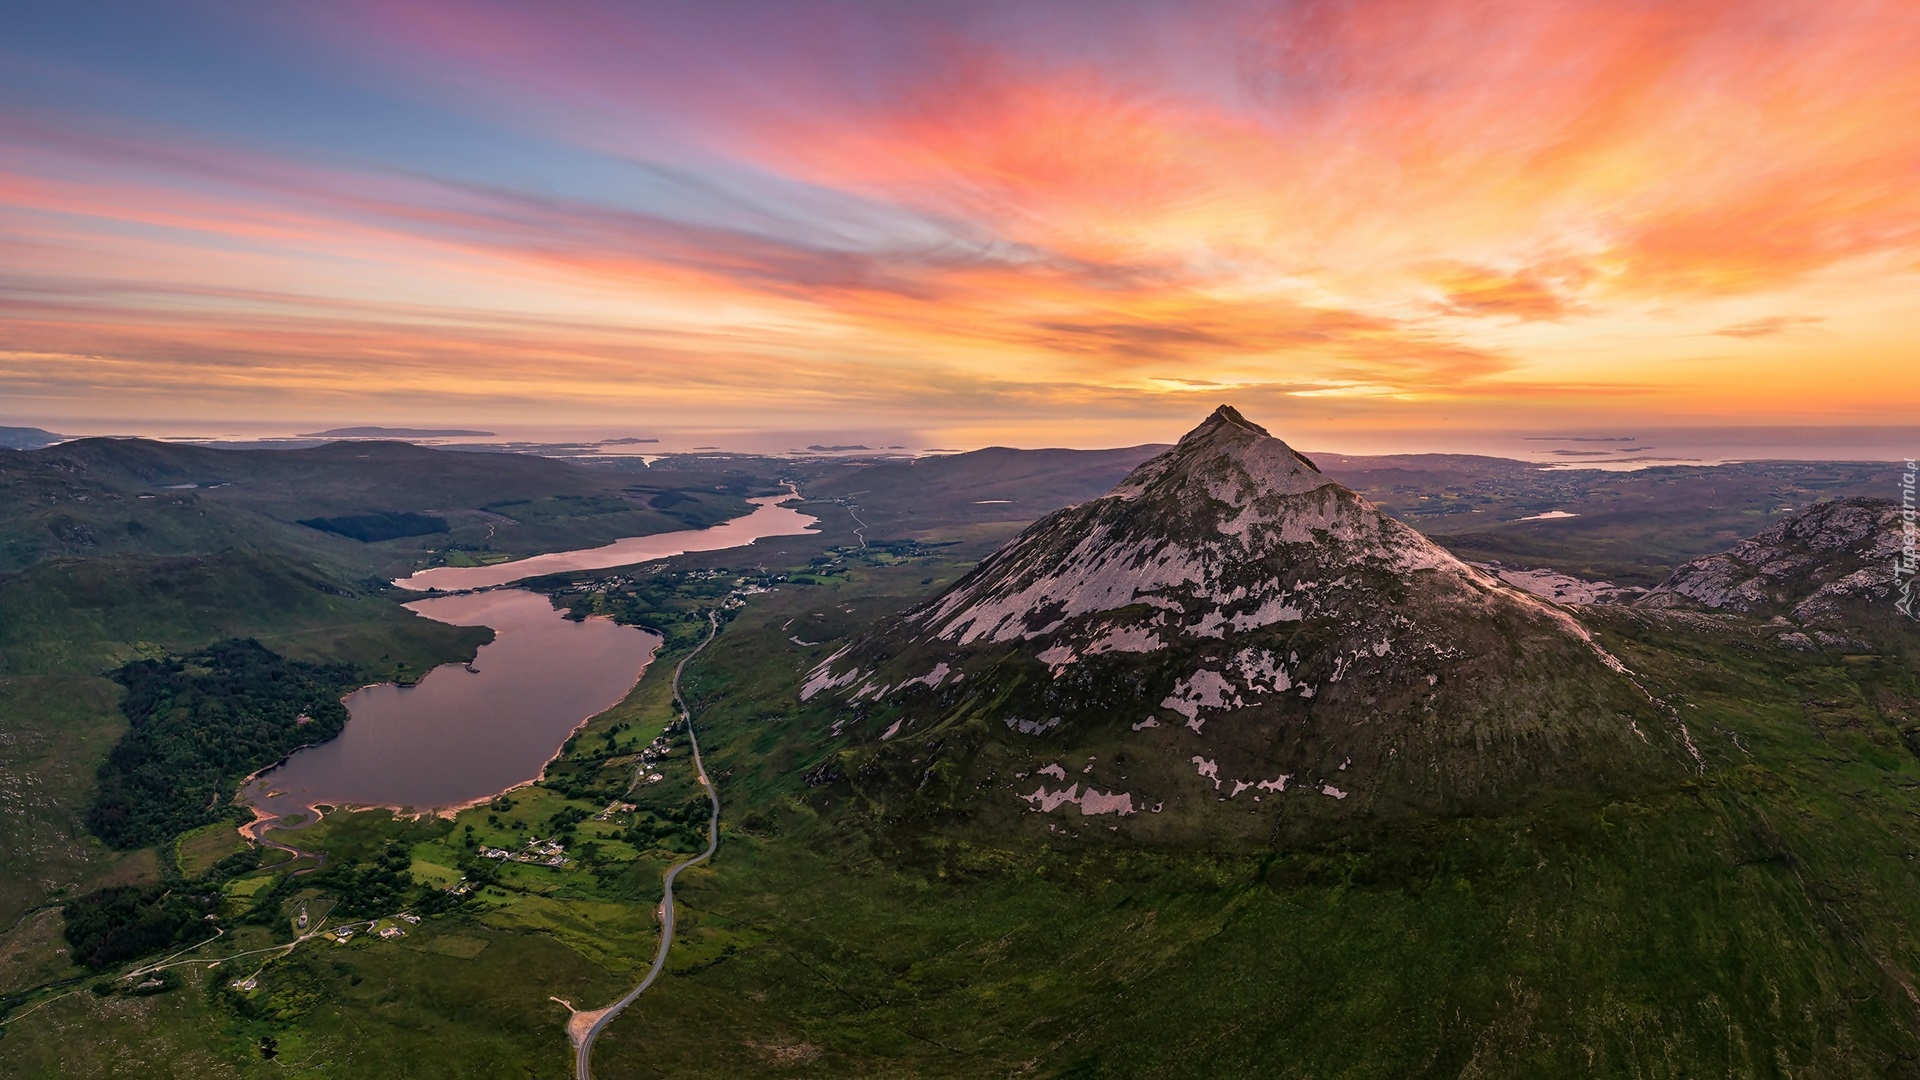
467	732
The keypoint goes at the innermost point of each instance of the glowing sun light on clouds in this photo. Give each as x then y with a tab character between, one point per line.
1499	211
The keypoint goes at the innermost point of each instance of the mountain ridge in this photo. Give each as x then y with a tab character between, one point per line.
1812	576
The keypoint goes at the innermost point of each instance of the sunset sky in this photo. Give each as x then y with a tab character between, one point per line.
1024	222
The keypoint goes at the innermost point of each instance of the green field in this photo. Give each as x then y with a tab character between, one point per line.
196	852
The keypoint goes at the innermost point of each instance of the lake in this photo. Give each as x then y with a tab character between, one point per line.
768	518
460	735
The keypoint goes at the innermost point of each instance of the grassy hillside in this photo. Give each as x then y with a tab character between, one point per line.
1753	918
99	497
1731	923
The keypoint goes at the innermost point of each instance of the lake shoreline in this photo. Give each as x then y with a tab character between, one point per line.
443	729
417	812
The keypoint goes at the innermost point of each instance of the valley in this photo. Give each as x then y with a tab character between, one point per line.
1706	868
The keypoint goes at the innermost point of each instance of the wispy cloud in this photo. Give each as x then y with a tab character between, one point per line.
1395	199
1769	327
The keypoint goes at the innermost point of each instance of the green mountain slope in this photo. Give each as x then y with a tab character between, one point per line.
1754	918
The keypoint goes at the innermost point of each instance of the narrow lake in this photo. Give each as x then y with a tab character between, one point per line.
768	518
462	735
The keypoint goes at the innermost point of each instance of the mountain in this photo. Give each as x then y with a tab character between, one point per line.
1228	624
1813	575
26	438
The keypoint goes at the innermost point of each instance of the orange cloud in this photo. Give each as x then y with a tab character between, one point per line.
1498	202
1768	327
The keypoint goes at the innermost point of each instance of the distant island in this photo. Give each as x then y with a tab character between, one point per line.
1578	438
392	433
27	438
625	442
818	449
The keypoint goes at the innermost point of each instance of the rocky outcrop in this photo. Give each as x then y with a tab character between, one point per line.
1814	574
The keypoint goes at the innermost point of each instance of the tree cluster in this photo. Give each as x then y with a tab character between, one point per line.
123	922
198	724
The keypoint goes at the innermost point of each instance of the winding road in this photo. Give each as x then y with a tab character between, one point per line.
583	1040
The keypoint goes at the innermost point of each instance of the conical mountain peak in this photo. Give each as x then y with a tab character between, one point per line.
1239	626
1232	458
1226	415
1226	529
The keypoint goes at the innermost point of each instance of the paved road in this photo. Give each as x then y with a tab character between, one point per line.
583	1056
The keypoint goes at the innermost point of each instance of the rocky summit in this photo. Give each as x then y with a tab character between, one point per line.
1229	625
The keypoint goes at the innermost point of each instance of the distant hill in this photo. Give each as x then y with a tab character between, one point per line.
96	497
997	484
371	528
392	433
26	438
